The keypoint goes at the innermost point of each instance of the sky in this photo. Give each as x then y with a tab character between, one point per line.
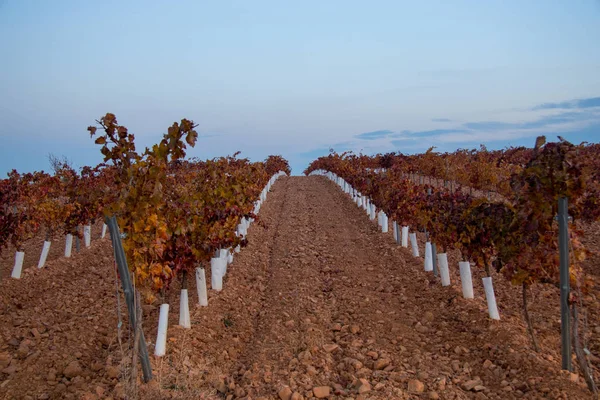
296	78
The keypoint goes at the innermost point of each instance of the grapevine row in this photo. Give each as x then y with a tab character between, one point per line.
175	214
518	235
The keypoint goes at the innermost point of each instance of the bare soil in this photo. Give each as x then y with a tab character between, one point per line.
319	304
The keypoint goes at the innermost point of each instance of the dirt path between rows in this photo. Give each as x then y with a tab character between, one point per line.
320	304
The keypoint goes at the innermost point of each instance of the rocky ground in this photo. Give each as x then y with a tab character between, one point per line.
319	305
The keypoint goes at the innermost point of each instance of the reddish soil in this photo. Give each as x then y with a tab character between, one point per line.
318	302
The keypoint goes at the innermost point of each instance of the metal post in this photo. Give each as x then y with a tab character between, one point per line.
565	317
115	237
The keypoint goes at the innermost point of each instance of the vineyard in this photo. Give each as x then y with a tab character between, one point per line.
449	287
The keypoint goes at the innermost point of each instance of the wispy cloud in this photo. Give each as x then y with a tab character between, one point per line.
547	119
374	135
577	120
572	104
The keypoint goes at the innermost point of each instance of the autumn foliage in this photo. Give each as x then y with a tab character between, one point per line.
175	213
447	196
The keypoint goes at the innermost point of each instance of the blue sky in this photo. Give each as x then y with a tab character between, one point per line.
272	77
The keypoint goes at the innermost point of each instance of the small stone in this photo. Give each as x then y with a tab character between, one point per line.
320	392
147	309
305	355
470	384
5	360
120	391
10	370
239	392
23	350
434	396
96	366
337	388
330	348
221	386
336	327
416	386
479	388
381	363
35	333
89	396
61	387
73	369
455	365
285	393
428	316
296	396
573	377
487	364
290	323
362	386
373	354
100	391
442	384
354	329
422	329
112	372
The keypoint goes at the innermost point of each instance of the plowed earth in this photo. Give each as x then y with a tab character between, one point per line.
319	305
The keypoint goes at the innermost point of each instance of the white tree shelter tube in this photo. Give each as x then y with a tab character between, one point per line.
68	245
413	243
428	257
465	279
103	231
184	310
44	254
491	298
201	287
384	223
443	267
395	230
16	272
216	277
161	338
87	235
405	236
224	261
